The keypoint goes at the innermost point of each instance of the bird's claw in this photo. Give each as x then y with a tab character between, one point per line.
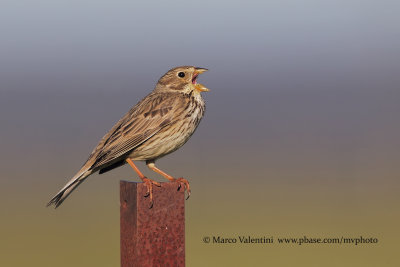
149	184
182	181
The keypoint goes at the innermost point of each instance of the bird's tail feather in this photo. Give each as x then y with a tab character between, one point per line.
68	188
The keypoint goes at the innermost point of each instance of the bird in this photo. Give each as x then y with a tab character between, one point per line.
158	125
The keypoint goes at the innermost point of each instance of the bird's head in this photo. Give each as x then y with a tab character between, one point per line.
183	79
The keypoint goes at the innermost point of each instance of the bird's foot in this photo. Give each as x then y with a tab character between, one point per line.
149	184
183	182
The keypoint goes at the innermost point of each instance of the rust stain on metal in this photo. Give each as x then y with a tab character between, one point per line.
156	236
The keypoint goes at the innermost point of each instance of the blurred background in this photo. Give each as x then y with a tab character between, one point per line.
300	136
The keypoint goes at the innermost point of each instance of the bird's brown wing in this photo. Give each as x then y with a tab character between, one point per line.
141	123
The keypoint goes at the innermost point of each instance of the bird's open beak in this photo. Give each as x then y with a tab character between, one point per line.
198	86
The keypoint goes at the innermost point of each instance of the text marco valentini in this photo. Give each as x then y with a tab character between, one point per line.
242	239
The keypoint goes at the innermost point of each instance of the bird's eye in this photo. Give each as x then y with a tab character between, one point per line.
181	74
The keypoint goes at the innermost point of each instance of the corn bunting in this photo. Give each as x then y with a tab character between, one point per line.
159	124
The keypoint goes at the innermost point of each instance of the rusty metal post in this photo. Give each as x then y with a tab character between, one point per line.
156	236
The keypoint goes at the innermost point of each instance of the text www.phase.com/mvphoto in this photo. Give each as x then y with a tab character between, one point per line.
304	240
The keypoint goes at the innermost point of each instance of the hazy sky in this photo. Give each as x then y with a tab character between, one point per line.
249	45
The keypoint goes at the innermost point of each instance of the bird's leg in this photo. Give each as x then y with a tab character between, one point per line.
148	182
181	181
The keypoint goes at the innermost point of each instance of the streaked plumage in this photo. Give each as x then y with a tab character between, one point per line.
159	124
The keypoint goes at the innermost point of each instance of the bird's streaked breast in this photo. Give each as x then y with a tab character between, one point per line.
173	136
